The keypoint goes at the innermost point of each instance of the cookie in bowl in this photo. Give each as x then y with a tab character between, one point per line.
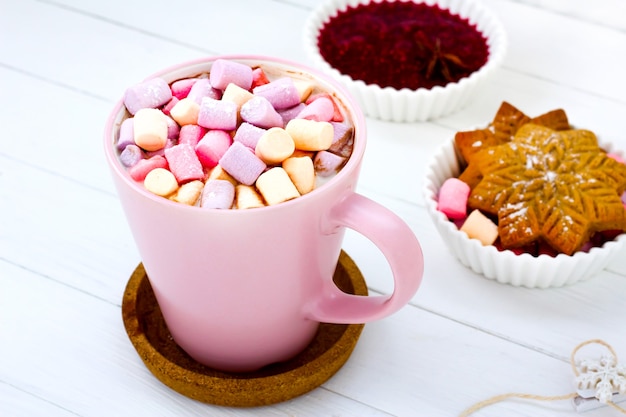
407	61
553	193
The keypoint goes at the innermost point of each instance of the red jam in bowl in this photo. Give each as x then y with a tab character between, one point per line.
402	44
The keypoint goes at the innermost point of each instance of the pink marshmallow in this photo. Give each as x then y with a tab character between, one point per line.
242	164
212	147
453	196
202	88
191	134
127	134
131	155
259	77
343	142
337	115
321	110
260	112
139	171
327	163
168	106
181	88
152	93
217	194
224	72
184	163
173	128
217	114
248	134
291	112
282	93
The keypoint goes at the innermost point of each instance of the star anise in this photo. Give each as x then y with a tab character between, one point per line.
439	62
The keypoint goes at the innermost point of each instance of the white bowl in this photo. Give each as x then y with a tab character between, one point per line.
423	104
505	266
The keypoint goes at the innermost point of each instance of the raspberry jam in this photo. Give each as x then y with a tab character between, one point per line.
402	44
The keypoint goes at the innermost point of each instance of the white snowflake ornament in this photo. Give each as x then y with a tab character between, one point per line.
600	378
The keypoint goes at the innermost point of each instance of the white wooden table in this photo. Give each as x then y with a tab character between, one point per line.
66	252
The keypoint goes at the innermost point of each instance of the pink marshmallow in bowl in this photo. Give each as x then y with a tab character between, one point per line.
151	93
212	147
282	93
260	112
217	194
224	72
453	196
242	164
217	114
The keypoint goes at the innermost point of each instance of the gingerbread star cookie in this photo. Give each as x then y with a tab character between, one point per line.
547	185
505	124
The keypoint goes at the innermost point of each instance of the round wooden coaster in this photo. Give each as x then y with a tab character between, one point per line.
279	382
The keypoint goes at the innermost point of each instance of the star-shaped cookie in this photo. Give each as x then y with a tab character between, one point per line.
506	122
555	186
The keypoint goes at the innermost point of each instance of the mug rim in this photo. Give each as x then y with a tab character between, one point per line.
353	110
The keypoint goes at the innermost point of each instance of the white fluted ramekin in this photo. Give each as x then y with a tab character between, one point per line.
423	104
505	266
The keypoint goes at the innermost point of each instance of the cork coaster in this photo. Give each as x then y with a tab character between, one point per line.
275	383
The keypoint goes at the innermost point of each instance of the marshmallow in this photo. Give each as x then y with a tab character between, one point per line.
248	134
217	194
236	94
281	93
242	164
131	155
337	115
321	110
327	163
259	77
127	134
224	72
343	140
304	88
260	112
191	134
185	112
212	147
161	182
184	163
169	105
276	187
173	129
452	199
188	193
150	129
217	114
181	88
247	197
202	88
274	146
310	135
151	93
139	171
301	172
218	173
291	112
478	226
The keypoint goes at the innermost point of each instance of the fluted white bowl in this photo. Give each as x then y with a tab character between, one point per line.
505	266
422	104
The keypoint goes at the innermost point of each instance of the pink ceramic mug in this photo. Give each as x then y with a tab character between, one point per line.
241	289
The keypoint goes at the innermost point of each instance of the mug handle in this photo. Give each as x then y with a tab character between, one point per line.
399	246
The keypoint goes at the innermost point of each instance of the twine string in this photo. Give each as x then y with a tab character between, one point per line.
502	397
